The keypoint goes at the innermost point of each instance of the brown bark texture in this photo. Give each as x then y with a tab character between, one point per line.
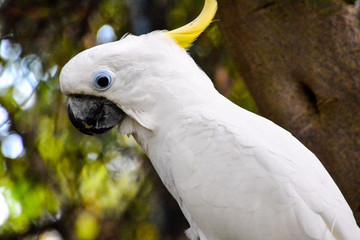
301	63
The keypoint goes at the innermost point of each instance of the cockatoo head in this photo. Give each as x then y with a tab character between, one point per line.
140	77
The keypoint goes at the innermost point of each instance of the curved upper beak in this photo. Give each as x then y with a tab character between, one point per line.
93	115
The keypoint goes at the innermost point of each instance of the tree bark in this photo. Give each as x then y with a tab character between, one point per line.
300	61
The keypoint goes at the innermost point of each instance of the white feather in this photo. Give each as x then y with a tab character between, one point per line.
239	176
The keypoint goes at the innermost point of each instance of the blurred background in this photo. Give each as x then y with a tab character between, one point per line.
56	183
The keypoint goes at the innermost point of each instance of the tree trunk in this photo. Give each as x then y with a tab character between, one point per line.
301	63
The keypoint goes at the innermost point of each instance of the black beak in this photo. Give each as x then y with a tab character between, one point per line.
93	115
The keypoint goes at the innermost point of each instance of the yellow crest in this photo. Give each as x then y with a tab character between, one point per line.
185	35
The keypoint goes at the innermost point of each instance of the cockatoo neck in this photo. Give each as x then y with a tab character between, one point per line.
168	108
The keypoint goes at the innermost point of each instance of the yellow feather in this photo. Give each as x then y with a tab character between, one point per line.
185	35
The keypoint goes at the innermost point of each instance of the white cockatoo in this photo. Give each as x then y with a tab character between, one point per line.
234	174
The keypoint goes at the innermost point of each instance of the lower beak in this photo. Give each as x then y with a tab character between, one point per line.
93	115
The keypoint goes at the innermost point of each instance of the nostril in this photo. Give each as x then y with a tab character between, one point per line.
76	95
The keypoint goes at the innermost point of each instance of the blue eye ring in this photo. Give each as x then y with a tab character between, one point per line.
102	80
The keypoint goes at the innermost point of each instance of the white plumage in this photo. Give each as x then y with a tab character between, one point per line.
235	175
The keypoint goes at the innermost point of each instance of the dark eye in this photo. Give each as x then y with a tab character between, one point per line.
102	80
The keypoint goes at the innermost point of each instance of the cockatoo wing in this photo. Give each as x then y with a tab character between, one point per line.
242	177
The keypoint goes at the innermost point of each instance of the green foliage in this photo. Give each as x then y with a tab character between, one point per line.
239	93
86	226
